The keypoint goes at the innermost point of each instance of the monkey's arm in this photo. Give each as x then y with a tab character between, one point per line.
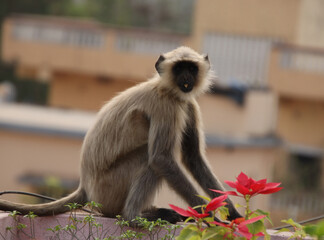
194	161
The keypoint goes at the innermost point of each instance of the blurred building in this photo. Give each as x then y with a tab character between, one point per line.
263	116
82	58
275	49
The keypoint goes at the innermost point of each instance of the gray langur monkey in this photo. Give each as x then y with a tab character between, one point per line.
135	142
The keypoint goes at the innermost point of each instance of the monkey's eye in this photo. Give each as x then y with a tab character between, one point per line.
177	68
193	69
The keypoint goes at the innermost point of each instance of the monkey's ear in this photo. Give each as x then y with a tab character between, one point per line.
207	60
157	64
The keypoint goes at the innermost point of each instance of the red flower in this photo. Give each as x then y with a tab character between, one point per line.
248	186
188	213
216	203
238	226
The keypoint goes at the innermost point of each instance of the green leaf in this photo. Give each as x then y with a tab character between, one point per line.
261	212
57	227
198	206
21	226
208	234
209	219
320	229
192	227
188	233
266	235
195	237
256	227
73	206
205	198
30	215
292	223
283	230
311	230
237	205
188	219
223	212
298	234
315	230
14	213
93	204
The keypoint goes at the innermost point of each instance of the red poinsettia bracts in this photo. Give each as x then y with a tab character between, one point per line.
188	213
249	186
211	206
216	203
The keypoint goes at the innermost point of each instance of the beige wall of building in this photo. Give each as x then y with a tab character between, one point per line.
311	23
255	118
293	21
296	75
66	89
297	72
301	122
271	18
23	153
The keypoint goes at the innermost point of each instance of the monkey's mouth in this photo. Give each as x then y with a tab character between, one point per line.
186	86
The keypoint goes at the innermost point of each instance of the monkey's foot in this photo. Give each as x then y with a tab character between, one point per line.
166	214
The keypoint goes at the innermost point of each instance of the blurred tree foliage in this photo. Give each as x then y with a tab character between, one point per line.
26	90
174	15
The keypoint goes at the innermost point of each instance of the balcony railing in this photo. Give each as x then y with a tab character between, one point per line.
297	71
66	44
46	33
238	59
300	59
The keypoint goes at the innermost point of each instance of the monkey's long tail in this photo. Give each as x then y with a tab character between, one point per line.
46	209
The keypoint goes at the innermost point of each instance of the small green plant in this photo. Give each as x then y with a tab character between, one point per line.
95	231
151	229
316	230
300	231
19	227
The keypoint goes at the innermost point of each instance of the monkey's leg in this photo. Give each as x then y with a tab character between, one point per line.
141	193
141	196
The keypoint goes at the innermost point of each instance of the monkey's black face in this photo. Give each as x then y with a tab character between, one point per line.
185	75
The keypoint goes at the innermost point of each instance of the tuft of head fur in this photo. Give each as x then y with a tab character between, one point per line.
168	60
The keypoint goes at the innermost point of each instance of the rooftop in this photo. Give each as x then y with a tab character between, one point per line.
44	120
75	123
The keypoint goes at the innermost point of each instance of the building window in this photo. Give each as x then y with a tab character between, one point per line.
306	171
57	35
145	44
239	60
302	60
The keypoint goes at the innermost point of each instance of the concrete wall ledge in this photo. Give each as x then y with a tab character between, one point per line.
38	228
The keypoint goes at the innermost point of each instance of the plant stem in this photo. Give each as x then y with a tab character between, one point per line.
247	210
